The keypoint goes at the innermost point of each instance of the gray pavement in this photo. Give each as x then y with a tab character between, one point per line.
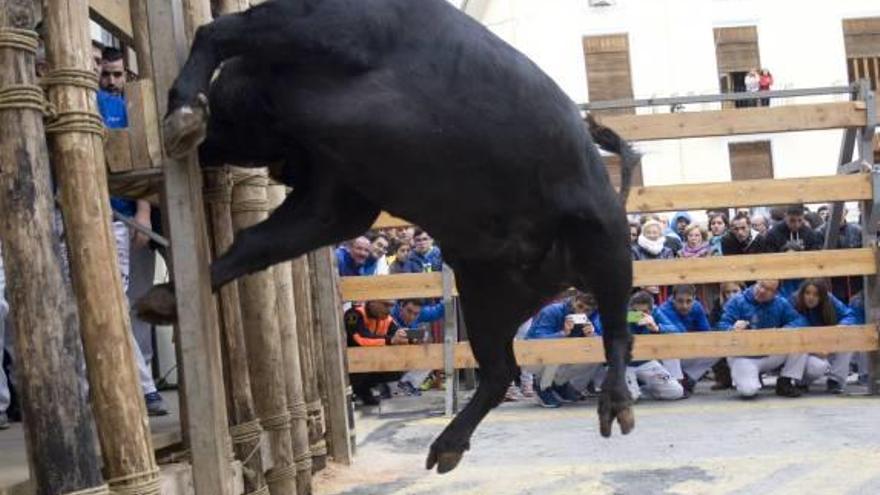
711	443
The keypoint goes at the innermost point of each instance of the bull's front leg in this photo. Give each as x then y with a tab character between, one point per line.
258	28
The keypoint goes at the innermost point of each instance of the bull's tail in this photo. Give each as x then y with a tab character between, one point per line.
611	142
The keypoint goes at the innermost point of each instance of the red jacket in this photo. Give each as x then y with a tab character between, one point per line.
765	81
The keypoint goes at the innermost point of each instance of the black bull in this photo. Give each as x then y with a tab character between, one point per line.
412	107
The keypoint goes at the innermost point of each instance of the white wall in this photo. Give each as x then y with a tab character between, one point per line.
672	52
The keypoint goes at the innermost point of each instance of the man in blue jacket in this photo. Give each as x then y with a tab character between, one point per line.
352	258
686	314
757	308
415	314
425	254
561	320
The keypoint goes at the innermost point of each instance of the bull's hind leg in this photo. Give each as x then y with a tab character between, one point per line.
601	261
325	212
495	301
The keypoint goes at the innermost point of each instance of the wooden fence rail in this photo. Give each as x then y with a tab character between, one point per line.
589	350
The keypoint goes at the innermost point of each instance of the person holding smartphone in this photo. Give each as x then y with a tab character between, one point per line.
415	317
574	316
655	378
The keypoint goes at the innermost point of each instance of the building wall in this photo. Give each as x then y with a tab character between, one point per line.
672	52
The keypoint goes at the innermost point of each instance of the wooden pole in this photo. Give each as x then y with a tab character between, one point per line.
288	326
59	430
78	157
244	424
263	339
199	337
302	294
140	27
338	405
318	355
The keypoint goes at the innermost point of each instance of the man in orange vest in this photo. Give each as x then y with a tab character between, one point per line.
371	325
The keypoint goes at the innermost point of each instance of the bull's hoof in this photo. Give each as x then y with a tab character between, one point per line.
445	461
158	306
185	128
619	409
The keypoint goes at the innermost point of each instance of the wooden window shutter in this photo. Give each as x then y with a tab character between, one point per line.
752	160
736	49
862	40
608	69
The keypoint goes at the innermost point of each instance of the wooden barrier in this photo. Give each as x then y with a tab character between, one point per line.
590	350
756	120
759	192
658	272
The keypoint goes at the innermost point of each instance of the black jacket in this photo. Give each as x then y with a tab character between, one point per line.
779	235
730	245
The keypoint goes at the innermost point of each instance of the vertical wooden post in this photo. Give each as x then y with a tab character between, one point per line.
244	424
78	157
288	326
302	294
263	339
317	350
197	313
59	431
328	307
140	27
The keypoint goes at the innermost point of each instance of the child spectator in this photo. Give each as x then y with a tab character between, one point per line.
561	320
651	244
656	379
696	242
401	262
760	307
815	302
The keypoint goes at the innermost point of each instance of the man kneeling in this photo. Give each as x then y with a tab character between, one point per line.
760	307
371	325
656	379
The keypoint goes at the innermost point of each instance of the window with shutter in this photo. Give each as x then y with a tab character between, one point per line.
608	70
736	52
862	40
752	160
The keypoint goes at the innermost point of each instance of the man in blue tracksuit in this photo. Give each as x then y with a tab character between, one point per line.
760	307
414	314
425	254
354	258
561	320
656	379
686	314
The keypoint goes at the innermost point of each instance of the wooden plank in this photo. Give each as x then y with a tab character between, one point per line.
143	124
339	438
206	413
117	151
763	192
750	267
756	120
115	12
590	350
658	272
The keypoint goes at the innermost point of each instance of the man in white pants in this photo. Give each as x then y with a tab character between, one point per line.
652	376
760	307
686	314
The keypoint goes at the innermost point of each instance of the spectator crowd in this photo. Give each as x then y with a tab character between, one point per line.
732	306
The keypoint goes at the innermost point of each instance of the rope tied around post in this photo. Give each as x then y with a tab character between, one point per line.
71	76
245	432
143	483
22	97
87	121
282	473
298	411
263	490
277	422
250	205
303	462
95	490
26	40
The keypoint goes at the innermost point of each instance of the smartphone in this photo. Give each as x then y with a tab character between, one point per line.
578	318
634	316
415	334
